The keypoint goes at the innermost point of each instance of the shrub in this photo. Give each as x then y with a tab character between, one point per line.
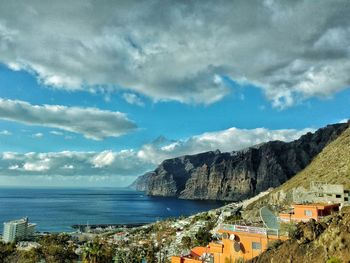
203	237
334	260
290	228
275	244
186	242
232	219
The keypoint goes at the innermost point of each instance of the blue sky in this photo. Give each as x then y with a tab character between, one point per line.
94	103
246	108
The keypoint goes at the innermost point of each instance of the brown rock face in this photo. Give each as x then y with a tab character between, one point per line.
236	175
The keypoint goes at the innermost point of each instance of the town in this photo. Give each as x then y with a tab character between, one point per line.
217	236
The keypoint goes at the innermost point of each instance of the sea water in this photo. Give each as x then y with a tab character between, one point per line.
57	209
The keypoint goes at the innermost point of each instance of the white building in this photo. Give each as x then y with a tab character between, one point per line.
18	230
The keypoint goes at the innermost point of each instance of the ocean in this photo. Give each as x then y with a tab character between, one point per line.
57	209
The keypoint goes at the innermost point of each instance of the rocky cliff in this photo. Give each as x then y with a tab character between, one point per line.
236	175
331	166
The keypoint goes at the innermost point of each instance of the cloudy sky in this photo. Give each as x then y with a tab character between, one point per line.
96	93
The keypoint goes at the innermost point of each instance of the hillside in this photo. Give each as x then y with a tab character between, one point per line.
236	175
326	241
332	165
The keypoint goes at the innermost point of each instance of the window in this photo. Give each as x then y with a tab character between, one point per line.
256	245
337	196
308	212
346	199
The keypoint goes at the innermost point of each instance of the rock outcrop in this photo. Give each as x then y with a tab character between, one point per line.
236	175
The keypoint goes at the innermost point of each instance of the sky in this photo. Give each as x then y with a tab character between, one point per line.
97	93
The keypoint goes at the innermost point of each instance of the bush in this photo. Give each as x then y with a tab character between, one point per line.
290	228
201	216
56	248
275	244
232	219
203	237
334	260
186	242
6	250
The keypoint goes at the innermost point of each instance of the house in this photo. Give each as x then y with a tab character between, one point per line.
305	212
237	242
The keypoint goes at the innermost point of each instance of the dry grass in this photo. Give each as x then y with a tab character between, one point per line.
332	165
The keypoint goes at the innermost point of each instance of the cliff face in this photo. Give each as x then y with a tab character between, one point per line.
331	166
236	175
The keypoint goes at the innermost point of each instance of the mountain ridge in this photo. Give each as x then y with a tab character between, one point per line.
236	175
331	165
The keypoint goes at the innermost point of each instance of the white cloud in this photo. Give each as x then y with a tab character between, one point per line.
344	121
128	163
58	133
70	163
8	155
232	139
5	132
68	166
36	163
13	167
91	122
133	99
38	135
105	158
171	50
36	167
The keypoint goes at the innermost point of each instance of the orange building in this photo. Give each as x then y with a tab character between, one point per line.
305	212
238	242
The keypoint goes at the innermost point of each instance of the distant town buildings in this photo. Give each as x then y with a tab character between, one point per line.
322	193
18	230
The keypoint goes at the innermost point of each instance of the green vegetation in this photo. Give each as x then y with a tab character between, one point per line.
57	248
134	255
232	219
186	242
98	251
201	217
203	237
275	244
334	260
289	228
6	250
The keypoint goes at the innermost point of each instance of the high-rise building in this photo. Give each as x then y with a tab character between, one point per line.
18	230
